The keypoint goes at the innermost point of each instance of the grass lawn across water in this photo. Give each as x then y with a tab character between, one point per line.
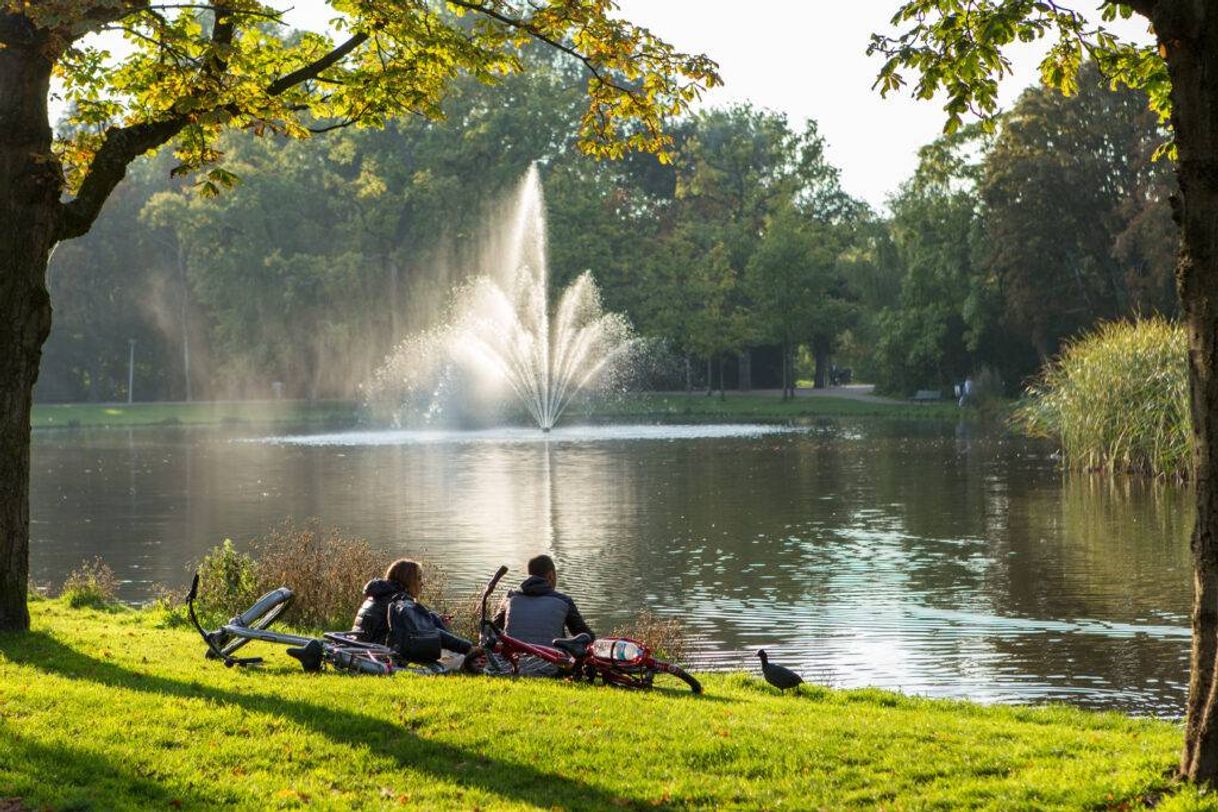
109	710
632	407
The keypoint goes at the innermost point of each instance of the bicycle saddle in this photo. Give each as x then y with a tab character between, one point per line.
576	646
310	655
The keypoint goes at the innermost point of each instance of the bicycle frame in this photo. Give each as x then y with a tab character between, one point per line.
637	672
336	648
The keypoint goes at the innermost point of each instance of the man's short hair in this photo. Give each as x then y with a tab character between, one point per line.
541	565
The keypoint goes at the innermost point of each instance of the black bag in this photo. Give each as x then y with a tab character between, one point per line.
413	632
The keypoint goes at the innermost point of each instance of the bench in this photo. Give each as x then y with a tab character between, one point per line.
923	395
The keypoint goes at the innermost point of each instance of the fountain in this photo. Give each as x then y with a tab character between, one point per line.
502	330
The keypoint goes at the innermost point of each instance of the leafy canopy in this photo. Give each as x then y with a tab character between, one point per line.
195	68
957	49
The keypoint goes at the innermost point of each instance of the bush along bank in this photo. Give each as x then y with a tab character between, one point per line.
1116	400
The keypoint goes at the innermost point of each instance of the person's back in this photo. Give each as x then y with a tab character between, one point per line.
391	615
372	620
538	613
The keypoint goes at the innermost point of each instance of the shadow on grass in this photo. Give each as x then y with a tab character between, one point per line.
519	782
77	778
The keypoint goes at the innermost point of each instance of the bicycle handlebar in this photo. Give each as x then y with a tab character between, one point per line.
490	587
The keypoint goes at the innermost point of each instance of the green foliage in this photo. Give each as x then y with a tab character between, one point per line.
96	705
1074	228
1117	400
1006	244
227	582
797	287
196	70
930	336
325	570
958	49
92	584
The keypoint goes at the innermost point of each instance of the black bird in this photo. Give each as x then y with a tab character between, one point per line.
781	678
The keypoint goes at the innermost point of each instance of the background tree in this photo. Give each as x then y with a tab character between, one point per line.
1057	187
198	69
957	48
797	290
932	336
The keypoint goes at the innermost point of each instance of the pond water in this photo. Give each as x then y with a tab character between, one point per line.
927	558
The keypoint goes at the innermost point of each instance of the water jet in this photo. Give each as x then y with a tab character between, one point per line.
502	330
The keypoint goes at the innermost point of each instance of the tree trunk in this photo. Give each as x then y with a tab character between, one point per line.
722	388
30	182
786	374
820	351
184	315
1189	34
689	377
710	377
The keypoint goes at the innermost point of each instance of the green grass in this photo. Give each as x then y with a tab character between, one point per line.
104	709
74	415
633	406
770	406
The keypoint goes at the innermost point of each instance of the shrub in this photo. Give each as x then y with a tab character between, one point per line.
227	582
325	569
667	637
92	584
1117	399
169	604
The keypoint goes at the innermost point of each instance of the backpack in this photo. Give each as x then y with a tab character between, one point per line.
413	632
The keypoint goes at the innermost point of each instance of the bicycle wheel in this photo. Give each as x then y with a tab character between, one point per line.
679	673
262	614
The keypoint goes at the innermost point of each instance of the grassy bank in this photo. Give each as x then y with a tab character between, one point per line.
645	406
73	415
767	406
106	710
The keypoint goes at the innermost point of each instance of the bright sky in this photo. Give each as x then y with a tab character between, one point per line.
807	58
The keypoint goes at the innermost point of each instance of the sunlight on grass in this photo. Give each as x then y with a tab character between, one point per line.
119	706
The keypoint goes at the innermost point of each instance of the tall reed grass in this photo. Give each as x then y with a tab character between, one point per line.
1117	400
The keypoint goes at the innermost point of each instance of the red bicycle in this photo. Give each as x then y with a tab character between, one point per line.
614	660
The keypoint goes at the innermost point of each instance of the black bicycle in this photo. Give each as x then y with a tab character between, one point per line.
338	650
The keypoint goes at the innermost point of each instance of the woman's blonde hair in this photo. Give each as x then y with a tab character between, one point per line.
403	570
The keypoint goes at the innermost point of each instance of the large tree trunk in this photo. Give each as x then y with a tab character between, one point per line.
29	195
1189	33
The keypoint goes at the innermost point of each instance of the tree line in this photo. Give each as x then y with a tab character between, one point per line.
323	255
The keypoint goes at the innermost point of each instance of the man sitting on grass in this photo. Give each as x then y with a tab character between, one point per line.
537	613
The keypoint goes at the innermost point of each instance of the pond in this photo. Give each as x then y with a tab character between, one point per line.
928	558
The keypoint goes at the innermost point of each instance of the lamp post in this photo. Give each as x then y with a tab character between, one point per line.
130	369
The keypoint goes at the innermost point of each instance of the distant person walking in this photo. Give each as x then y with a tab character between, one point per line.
966	391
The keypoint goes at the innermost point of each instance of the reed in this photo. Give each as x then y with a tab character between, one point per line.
1116	400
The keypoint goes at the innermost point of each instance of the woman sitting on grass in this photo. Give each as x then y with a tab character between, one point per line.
391	615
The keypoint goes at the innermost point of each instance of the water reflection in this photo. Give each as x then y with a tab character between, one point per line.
921	557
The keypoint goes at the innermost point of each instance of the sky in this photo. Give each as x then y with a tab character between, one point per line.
808	59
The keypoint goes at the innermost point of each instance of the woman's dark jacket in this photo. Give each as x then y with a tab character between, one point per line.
372	620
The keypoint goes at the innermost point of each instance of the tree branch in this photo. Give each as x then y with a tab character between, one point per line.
122	145
311	70
522	25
